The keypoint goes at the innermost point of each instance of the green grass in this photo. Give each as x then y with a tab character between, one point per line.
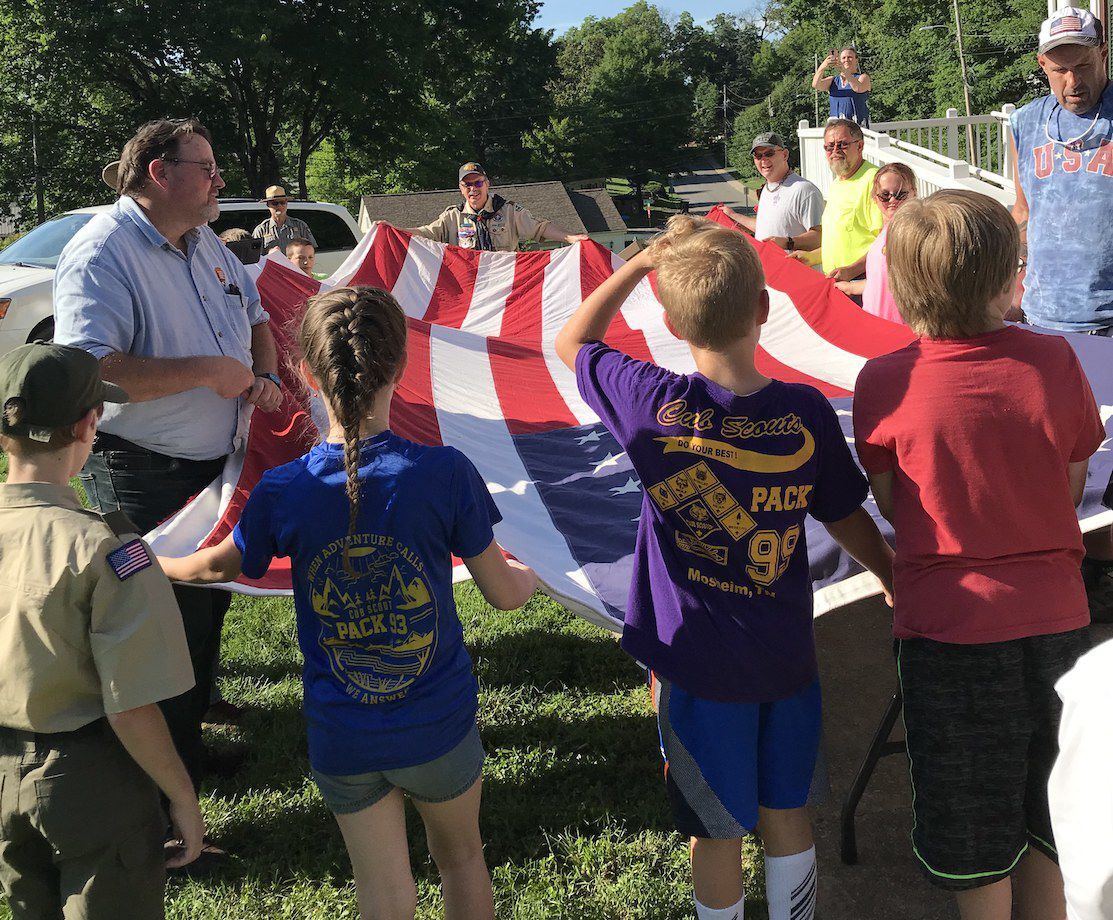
574	815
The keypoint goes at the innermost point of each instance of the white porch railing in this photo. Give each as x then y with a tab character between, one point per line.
951	152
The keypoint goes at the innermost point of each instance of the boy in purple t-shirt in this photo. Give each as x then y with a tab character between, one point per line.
720	605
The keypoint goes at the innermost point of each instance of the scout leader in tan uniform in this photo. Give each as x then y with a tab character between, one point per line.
487	221
90	640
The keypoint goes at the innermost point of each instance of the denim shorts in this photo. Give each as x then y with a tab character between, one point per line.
439	780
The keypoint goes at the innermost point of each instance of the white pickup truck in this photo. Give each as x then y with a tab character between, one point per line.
27	266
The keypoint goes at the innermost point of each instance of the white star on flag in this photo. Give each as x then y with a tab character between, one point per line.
632	485
609	460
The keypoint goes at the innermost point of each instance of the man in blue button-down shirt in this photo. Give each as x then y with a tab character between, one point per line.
176	321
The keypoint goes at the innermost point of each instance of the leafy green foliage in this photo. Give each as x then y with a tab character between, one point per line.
909	50
273	81
622	104
348	97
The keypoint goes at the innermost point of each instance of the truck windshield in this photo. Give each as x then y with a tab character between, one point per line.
42	246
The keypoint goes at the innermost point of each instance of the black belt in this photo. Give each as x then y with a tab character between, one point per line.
43	739
104	442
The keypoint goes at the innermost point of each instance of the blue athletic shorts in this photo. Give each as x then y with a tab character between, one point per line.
723	760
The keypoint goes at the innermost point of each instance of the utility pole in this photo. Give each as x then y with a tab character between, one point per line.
40	204
726	158
816	94
971	150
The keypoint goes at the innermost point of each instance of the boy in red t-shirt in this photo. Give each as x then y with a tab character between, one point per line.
976	439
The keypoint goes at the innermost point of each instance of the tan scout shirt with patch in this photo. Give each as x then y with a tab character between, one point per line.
511	224
81	635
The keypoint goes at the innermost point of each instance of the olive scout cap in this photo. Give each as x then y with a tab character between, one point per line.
768	139
57	385
468	168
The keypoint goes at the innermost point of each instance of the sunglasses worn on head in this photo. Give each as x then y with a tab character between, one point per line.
886	197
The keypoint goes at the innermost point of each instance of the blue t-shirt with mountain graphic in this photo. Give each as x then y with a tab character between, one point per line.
388	682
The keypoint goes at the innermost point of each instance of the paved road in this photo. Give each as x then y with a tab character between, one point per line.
704	185
859	678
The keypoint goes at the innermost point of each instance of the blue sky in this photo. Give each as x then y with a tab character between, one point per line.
560	14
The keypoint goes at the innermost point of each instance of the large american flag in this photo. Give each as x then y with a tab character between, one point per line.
483	376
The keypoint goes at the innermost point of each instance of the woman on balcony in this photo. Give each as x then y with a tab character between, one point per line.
849	88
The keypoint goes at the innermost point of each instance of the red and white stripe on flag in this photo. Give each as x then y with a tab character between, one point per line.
482	369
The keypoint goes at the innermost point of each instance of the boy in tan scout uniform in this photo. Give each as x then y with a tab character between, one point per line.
91	641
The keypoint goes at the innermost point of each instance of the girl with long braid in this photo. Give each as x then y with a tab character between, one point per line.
370	522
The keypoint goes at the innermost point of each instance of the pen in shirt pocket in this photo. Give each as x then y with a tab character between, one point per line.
230	288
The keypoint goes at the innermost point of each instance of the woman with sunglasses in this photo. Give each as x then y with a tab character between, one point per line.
893	185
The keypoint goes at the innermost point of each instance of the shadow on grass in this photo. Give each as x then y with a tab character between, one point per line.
553	773
271	672
545	660
545	777
276	755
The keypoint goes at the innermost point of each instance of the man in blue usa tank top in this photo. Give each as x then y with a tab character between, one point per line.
1064	180
1064	198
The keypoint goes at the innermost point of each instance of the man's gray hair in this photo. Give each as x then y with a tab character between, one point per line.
852	126
153	140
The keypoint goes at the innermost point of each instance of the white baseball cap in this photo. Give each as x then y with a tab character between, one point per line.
1069	26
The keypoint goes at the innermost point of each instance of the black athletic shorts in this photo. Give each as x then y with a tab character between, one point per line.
982	725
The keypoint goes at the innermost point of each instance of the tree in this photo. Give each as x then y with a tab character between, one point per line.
707	114
494	90
273	80
621	103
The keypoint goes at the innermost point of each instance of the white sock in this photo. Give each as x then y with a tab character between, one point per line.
723	913
790	886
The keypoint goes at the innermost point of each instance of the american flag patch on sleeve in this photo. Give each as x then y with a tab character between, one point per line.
128	559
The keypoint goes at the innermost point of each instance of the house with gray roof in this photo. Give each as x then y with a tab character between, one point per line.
589	211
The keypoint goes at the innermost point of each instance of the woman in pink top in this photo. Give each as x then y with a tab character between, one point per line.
893	184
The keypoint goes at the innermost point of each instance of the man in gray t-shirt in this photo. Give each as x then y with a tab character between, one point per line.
790	209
